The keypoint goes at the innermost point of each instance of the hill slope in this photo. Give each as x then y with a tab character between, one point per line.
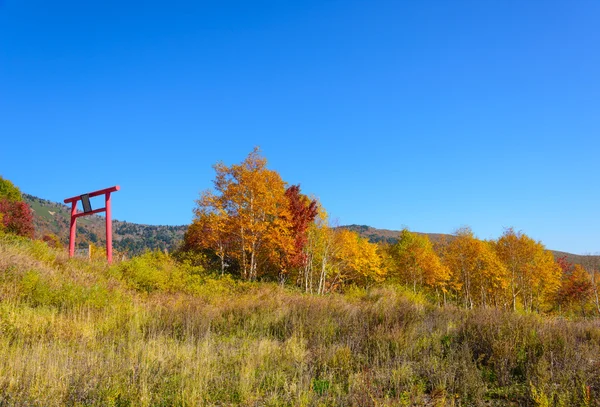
389	236
131	238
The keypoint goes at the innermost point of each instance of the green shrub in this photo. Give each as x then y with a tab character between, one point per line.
158	271
9	191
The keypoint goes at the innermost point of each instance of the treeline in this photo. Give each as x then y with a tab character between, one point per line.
253	225
512	272
132	239
135	239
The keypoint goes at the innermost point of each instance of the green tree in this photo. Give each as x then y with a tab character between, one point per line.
9	191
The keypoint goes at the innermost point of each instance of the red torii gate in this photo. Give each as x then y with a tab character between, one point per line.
87	210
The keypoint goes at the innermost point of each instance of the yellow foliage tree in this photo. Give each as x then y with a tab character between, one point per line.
477	274
592	265
415	262
319	250
595	278
337	256
534	274
356	259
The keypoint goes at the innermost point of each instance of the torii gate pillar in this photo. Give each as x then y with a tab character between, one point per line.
87	210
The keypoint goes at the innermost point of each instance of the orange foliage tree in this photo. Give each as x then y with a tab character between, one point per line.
247	218
576	288
210	230
252	221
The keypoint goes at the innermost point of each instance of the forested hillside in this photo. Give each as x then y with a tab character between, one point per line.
51	218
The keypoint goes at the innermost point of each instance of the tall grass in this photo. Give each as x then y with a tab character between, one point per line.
151	332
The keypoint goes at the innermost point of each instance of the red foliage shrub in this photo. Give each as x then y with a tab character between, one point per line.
16	218
52	240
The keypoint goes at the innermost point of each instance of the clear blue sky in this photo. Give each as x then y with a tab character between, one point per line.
427	114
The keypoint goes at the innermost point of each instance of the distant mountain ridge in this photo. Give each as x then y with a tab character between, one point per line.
389	236
130	238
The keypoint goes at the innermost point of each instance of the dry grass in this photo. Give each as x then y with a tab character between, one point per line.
154	333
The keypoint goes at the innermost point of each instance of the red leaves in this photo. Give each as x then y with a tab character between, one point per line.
16	218
564	264
304	212
576	285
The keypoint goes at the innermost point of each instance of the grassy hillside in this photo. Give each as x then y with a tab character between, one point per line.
130	238
152	332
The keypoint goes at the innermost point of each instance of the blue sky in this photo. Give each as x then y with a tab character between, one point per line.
427	114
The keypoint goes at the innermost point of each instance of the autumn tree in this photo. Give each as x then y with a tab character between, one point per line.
477	274
247	218
576	287
336	257
595	277
209	230
415	262
15	215
355	259
534	274
303	212
592	265
52	240
566	267
317	252
16	218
